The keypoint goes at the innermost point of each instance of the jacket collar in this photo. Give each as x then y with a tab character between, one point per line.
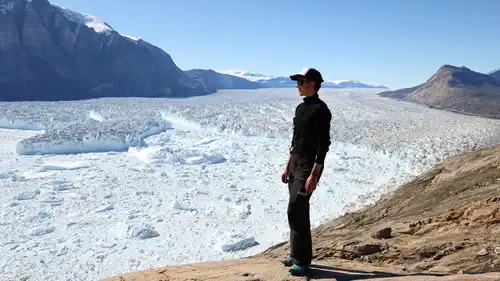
311	98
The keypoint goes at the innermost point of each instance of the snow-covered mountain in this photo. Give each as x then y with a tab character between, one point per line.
90	21
495	73
51	53
285	82
356	84
247	75
214	80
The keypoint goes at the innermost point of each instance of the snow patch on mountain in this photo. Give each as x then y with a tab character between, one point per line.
247	75
83	19
344	81
93	22
494	71
134	39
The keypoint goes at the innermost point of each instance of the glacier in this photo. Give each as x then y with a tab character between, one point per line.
200	179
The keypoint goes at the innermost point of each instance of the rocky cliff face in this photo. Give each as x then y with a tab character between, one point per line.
50	53
457	89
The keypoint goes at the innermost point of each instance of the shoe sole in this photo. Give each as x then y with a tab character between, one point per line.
299	273
287	262
296	273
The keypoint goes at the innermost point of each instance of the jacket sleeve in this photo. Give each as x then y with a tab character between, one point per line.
323	133
294	130
293	136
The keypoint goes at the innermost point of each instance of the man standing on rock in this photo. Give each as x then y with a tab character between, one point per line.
310	143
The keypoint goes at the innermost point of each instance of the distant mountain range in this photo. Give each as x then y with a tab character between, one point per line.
246	75
457	89
215	80
48	52
285	82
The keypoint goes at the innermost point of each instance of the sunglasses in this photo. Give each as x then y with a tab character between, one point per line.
301	82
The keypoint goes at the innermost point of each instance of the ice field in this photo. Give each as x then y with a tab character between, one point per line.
95	188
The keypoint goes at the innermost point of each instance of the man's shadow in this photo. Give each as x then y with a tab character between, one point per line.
318	271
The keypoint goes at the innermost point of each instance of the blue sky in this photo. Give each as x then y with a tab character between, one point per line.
397	43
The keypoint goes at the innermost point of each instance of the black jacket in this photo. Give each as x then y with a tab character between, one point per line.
311	129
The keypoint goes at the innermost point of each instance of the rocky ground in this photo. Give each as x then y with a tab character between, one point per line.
443	225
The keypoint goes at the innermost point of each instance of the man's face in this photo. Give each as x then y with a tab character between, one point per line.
306	87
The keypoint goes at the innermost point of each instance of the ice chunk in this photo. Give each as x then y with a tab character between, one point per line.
155	154
243	210
63	165
142	231
206	158
27	195
105	209
20	124
108	245
240	245
42	230
176	205
112	135
36	175
96	116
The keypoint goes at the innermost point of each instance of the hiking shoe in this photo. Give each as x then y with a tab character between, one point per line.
287	261
299	270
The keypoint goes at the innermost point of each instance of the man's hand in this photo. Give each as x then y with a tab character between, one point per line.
311	183
284	176
312	180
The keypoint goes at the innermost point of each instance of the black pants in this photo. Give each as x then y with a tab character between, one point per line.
298	209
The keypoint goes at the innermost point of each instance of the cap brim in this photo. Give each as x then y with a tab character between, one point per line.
296	77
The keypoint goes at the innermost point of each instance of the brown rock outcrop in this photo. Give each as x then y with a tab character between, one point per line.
457	89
